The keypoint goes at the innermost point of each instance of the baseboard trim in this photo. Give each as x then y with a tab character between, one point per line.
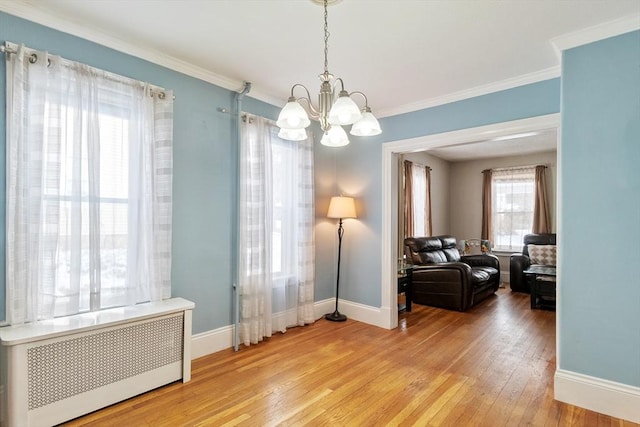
353	310
504	279
320	308
211	341
596	394
219	339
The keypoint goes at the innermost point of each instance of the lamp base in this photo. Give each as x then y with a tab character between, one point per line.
336	316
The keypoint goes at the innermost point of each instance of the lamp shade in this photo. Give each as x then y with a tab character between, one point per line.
335	137
344	111
293	116
293	134
342	207
367	126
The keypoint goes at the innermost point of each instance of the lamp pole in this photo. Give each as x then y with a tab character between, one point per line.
336	316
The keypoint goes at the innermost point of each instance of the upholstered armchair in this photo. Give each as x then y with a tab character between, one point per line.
443	278
538	249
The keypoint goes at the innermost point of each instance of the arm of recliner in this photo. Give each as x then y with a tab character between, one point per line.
517	264
486	260
453	278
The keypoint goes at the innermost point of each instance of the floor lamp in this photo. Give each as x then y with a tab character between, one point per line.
340	208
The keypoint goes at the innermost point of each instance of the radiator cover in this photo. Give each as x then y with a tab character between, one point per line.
47	380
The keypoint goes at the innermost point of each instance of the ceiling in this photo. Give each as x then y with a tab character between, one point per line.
403	54
512	145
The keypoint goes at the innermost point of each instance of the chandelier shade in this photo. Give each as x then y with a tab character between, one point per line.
293	134
336	107
293	116
367	126
344	111
335	136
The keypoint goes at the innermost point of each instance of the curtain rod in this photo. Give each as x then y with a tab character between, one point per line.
419	164
244	116
11	48
514	168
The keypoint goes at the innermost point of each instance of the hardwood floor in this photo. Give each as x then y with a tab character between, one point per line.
491	366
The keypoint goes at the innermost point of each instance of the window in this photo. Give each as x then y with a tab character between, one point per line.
419	193
416	207
275	231
513	198
72	201
89	187
283	156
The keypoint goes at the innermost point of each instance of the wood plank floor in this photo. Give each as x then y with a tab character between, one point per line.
491	366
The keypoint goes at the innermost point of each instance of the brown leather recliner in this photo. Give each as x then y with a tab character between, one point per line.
521	261
445	279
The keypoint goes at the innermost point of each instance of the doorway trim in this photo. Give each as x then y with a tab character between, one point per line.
390	149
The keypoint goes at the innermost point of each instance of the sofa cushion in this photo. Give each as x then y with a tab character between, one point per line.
482	274
448	242
542	254
431	250
453	255
538	239
424	244
431	257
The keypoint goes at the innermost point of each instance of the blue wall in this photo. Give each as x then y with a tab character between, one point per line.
204	167
600	217
359	170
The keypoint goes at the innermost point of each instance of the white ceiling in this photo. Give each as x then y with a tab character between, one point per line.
403	54
543	140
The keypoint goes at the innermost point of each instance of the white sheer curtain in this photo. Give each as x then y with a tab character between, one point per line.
421	200
512	204
276	231
89	181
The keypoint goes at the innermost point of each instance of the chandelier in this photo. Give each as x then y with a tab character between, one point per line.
333	111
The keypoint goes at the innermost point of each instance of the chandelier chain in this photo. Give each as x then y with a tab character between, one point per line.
326	39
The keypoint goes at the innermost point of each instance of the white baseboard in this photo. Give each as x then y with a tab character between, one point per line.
353	310
211	341
320	308
599	395
219	339
504	277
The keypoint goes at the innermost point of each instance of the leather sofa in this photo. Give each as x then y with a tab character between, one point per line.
521	261
443	278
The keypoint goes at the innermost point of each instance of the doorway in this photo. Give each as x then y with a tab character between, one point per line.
390	152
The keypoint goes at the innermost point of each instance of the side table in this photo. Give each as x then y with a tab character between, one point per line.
405	285
542	282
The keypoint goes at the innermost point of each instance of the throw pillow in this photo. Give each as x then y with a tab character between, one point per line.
542	254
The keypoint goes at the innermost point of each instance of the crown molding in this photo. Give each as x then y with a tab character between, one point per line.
597	32
32	13
537	76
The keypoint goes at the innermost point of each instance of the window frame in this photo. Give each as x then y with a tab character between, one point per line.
518	177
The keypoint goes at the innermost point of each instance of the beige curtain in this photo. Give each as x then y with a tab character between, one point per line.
400	207
486	204
428	226
408	198
541	216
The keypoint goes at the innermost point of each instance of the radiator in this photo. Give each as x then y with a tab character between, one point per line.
57	370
